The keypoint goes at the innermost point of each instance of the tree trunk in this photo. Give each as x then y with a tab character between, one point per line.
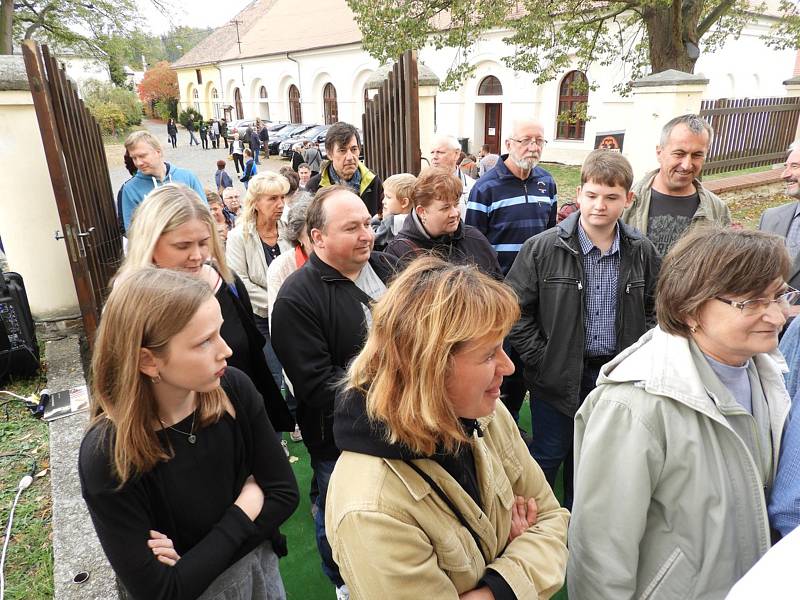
6	26
669	28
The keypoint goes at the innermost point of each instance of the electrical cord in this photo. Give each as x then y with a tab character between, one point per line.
23	485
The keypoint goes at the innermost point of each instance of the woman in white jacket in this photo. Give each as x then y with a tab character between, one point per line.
676	449
254	243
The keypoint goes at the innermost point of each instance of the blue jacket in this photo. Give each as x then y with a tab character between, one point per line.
508	210
134	190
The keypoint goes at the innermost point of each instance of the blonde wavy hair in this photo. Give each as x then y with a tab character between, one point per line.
429	313
146	309
163	210
263	184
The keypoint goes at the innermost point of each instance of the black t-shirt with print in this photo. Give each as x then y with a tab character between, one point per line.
669	218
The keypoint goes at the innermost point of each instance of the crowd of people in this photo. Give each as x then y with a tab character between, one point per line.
395	327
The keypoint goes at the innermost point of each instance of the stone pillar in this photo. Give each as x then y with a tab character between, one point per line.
793	91
657	99
28	213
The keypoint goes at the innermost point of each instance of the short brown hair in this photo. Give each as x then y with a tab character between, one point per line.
435	183
292	177
607	168
401	185
340	134
220	164
316	218
710	261
212	196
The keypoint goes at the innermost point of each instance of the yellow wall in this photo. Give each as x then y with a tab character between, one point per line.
188	78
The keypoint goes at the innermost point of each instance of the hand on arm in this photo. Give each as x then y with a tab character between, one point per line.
523	515
163	548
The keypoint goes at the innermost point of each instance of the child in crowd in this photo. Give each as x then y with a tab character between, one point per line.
250	168
586	290
396	207
221	177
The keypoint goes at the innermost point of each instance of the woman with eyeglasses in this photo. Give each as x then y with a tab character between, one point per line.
676	449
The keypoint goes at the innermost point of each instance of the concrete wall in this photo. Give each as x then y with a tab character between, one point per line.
28	214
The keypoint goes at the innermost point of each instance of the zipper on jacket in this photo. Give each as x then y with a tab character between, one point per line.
525	187
634	284
564	280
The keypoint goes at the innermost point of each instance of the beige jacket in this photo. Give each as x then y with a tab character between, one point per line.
711	208
245	255
669	500
392	536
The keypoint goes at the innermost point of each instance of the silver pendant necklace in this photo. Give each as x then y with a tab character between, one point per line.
191	436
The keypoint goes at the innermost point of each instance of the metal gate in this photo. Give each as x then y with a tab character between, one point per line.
391	122
78	169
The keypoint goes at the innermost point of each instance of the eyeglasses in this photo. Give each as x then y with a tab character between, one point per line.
758	306
540	142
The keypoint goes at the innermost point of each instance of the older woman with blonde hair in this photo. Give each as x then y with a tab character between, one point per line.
676	448
254	243
174	229
435	494
183	475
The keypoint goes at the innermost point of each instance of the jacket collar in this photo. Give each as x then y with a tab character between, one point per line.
569	228
415	230
327	273
367	176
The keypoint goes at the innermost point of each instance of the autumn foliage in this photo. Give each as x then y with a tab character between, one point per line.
160	83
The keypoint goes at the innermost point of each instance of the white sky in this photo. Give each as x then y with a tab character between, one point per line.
190	13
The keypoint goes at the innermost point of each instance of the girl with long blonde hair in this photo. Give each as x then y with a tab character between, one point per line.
174	229
180	468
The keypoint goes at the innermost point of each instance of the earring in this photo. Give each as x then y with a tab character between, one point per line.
156	379
693	328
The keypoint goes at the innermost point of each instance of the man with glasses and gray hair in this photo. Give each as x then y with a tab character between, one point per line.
670	199
445	153
512	202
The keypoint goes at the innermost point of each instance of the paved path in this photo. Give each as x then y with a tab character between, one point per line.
201	162
740	182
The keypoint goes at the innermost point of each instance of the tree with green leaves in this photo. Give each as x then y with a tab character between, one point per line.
647	36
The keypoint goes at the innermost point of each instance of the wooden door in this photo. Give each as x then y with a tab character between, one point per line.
493	121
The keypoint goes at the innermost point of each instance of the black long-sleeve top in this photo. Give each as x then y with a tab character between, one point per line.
190	497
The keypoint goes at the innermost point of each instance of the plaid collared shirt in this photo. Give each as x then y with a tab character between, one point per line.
601	274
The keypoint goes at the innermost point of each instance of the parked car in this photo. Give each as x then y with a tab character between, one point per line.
240	126
287	132
285	147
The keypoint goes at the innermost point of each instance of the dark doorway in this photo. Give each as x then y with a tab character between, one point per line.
493	121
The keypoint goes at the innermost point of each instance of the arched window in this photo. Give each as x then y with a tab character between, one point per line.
295	112
329	101
237	100
263	103
262	93
215	103
196	99
214	94
572	100
490	86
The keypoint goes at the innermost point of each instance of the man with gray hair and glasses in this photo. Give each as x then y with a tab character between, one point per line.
670	199
785	219
445	152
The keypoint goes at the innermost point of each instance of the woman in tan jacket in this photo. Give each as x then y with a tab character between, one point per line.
435	494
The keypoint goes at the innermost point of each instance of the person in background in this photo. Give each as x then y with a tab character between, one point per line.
435	226
313	157
237	152
255	143
214	133
434	479
294	193
487	160
221	177
181	470
586	291
230	198
263	138
254	243
669	200
203	127
397	206
446	153
190	127
175	230
287	263
131	168
223	131
297	157
304	171
510	204
676	449
469	166
172	133
250	169
217	209
343	167
152	173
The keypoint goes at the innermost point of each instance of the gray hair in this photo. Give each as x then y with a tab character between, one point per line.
694	123
793	146
296	220
446	140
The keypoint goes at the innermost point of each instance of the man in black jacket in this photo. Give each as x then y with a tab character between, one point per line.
320	322
344	167
263	137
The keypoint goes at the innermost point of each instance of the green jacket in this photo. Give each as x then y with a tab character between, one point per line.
370	190
669	500
712	208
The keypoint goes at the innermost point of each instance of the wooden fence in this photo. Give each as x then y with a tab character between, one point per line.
749	132
391	122
78	169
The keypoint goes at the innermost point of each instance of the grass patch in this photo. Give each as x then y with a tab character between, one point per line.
568	177
24	445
